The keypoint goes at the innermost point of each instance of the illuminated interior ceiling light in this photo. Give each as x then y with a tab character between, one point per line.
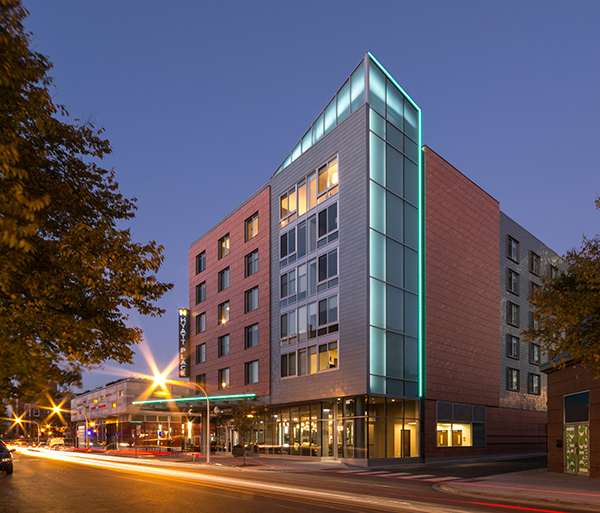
334	178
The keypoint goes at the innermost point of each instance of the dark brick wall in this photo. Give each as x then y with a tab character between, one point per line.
571	380
239	248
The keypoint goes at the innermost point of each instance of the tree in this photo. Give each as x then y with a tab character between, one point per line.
243	421
68	270
567	308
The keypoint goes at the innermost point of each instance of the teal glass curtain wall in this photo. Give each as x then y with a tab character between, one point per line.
395	237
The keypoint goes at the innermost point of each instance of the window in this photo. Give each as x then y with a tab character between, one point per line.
288	286
200	292
577	407
533	322
251	225
113	405
513	282
534	263
327	315
512	314
200	262
201	353
513	249
224	279
251	263
223	312
512	382
533	384
328	269
120	393
224	378
533	288
288	365
201	381
251	336
553	272
512	346
288	203
328	222
310	360
200	323
224	246
36	412
328	177
251	302
534	353
223	345
288	328
453	430
251	372
288	244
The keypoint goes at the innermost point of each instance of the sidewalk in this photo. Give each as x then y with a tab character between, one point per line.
535	485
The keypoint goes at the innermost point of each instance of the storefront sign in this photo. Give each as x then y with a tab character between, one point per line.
184	335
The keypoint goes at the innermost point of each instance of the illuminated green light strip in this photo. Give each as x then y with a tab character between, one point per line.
421	230
190	399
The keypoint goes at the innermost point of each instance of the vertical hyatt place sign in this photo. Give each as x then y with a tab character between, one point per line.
184	335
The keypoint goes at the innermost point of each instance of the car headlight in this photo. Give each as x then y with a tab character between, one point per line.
6	459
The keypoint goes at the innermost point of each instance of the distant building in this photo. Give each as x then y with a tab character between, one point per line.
573	420
371	296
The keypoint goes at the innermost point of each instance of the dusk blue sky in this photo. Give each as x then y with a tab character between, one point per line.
202	101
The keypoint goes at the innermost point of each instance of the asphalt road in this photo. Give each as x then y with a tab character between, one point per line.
40	484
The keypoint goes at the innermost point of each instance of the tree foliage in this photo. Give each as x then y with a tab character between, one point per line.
243	421
567	308
68	272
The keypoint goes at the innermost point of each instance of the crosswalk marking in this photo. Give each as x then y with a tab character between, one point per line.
399	474
420	476
395	475
448	478
373	473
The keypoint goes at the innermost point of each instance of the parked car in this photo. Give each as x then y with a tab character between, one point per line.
6	458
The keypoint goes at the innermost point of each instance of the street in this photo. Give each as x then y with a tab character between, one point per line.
67	482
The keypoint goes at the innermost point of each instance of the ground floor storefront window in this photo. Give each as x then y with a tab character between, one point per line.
353	427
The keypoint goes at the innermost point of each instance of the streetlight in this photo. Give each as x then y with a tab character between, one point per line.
19	420
86	428
160	380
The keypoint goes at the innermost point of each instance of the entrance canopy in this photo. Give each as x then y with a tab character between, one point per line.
193	404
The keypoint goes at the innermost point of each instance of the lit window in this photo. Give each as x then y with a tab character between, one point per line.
512	383
113	405
251	227
200	262
251	372
223	345
224	246
513	282
252	263
224	378
512	346
201	353
224	312
251	336
224	279
251	302
200	292
513	249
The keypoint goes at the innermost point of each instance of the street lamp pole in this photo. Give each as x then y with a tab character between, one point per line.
86	428
32	422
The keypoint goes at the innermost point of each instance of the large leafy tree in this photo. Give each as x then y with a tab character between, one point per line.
69	271
567	308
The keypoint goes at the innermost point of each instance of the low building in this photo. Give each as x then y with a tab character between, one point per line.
573	419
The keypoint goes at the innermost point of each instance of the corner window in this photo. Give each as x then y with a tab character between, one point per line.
251	372
513	249
200	262
512	380
223	313
224	279
224	246
200	323
201	353
534	263
512	346
200	292
251	227
224	378
251	336
513	282
512	314
251	302
251	263
533	384
223	345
